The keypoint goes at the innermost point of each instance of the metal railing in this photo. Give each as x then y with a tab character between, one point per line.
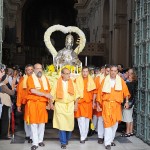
1	28
141	59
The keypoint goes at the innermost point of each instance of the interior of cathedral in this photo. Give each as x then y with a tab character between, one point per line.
117	32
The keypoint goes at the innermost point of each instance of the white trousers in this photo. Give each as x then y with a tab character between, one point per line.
100	127
83	124
95	122
110	134
38	133
27	129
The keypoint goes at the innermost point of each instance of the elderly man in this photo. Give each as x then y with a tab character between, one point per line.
21	98
110	96
85	88
64	95
37	98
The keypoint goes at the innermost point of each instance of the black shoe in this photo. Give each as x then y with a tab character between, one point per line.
27	138
91	132
30	141
113	144
100	141
63	146
34	147
41	144
108	147
82	142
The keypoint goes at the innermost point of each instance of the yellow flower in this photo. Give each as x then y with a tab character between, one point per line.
73	68
51	68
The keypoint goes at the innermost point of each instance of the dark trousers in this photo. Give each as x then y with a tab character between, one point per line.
4	122
64	136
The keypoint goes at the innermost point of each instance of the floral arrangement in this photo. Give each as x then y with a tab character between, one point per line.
65	30
53	74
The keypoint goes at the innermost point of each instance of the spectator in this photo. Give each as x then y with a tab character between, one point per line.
127	113
6	102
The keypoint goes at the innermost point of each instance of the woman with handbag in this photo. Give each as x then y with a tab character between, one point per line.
127	113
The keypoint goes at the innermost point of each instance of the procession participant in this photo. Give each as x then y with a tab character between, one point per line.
97	116
110	95
37	98
21	98
85	87
64	96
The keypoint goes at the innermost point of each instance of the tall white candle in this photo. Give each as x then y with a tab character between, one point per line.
86	61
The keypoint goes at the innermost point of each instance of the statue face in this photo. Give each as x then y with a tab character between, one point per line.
69	41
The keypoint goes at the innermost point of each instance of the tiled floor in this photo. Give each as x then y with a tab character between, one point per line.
52	143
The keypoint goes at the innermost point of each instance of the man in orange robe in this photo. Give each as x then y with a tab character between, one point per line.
110	96
97	115
83	107
21	98
37	99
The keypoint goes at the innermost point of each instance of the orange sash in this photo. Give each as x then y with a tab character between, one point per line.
59	90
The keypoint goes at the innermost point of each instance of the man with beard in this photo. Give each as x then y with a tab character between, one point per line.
21	98
38	96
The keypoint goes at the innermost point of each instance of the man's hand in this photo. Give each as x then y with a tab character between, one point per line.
76	106
126	105
94	105
52	106
48	107
98	107
19	109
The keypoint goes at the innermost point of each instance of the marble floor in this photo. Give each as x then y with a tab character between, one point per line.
52	142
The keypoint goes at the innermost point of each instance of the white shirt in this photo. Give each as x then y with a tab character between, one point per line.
112	82
65	85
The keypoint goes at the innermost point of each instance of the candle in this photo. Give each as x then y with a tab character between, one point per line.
86	61
81	65
77	68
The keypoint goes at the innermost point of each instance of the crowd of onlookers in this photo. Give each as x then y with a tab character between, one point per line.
9	78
